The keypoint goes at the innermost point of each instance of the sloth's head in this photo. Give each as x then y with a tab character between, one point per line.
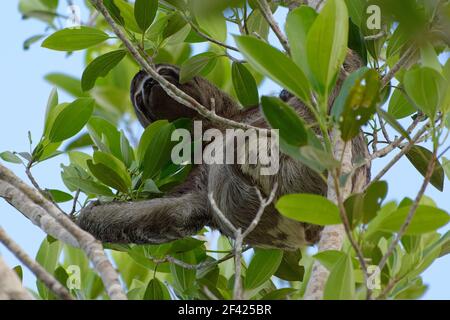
152	103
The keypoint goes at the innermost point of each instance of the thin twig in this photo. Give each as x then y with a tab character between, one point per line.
50	282
377	36
400	64
240	236
412	211
267	14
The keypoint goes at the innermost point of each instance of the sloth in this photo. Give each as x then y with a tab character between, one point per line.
186	209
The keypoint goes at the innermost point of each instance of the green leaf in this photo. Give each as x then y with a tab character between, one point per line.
127	13
373	198
426	219
279	294
446	166
341	281
100	67
184	278
71	119
289	268
327	44
145	13
426	87
59	196
47	257
110	170
52	103
18	270
89	186
399	106
298	24
156	290
283	117
8	156
244	85
200	64
147	137
310	208
263	266
276	65
67	83
31	40
214	24
420	158
329	258
256	23
357	101
72	39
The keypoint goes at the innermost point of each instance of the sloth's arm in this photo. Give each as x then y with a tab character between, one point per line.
146	222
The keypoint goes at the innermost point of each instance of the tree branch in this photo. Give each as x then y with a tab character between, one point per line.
87	242
412	211
10	286
57	288
332	237
267	14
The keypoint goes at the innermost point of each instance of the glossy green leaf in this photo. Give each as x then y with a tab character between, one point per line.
446	166
52	103
200	64
145	13
67	83
257	24
274	64
426	219
327	44
244	85
60	196
73	39
8	156
426	87
310	208
156	290
399	106
341	281
357	101
329	258
47	257
214	24
89	186
71	119
184	278
420	158
110	170
289	268
298	24
283	117
262	267
127	14
100	67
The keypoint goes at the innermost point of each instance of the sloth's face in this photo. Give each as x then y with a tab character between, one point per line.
152	103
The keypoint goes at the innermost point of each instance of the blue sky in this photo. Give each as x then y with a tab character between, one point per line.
24	95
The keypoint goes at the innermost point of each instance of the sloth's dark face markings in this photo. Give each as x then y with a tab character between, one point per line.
152	103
